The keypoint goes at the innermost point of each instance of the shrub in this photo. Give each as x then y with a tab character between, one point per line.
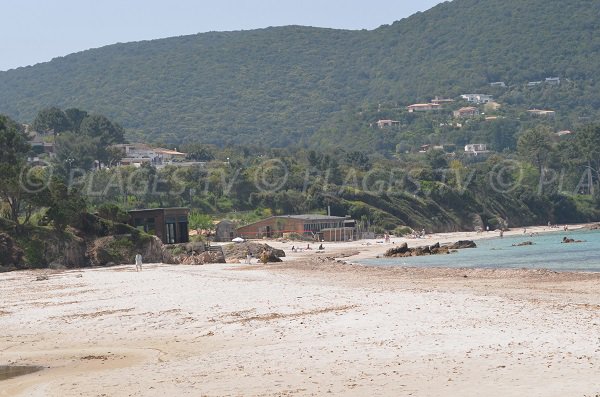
402	231
113	213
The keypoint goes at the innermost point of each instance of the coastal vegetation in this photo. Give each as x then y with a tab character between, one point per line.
544	178
296	120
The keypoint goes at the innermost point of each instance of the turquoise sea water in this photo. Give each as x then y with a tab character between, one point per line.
547	253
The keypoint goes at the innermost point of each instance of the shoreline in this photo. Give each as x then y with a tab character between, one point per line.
353	251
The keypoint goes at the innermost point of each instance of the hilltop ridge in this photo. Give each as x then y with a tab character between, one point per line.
282	85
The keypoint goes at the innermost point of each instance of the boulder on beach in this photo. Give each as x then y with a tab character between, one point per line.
235	252
269	257
201	258
10	253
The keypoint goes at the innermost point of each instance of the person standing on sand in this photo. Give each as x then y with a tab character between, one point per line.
138	262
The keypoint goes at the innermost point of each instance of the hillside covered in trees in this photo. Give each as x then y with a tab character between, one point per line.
307	86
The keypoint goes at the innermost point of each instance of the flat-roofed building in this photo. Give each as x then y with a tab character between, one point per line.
168	224
319	227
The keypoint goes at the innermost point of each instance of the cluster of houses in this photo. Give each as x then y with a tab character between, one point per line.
473	99
438	103
468	112
133	154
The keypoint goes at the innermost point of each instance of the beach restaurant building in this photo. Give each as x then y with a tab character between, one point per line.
318	227
168	224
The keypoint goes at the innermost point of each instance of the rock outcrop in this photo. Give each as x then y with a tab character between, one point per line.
202	258
567	240
269	257
10	254
116	250
462	244
239	251
524	243
403	250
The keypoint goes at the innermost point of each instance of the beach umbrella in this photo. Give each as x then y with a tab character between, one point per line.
238	240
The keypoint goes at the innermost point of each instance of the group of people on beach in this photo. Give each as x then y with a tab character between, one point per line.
294	249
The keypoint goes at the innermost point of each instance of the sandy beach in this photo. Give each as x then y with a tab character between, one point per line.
314	325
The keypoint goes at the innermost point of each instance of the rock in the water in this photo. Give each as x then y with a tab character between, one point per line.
524	243
435	249
567	240
396	251
461	244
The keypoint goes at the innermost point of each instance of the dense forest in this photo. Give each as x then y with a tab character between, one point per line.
309	87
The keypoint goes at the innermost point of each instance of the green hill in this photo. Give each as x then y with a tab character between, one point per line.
282	85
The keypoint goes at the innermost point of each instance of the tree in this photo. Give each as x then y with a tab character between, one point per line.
587	141
200	221
200	152
97	126
52	119
359	160
76	116
437	159
535	146
66	205
13	151
73	151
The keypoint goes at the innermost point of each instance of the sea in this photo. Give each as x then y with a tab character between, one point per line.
547	252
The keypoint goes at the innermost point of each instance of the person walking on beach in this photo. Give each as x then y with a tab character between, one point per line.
138	262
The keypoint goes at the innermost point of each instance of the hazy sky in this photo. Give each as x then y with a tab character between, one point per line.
33	31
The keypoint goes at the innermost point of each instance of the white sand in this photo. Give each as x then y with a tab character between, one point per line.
309	327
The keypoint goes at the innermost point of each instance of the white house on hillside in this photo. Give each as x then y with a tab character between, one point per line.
423	107
139	153
476	148
387	123
477	98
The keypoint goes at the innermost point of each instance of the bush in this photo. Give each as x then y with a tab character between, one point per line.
113	213
178	250
402	231
35	255
197	238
